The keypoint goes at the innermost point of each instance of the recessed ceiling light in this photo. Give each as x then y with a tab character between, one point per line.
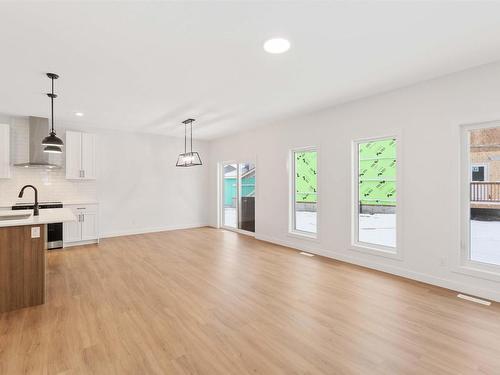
79	114
276	45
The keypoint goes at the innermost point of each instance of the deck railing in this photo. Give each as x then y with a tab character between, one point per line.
485	191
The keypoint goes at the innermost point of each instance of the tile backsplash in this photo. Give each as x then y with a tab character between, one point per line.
52	185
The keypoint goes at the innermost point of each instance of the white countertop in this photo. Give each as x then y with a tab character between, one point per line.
47	216
79	203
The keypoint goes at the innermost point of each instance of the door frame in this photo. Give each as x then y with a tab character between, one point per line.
220	200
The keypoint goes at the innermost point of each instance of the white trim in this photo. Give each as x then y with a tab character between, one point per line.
302	235
394	270
373	249
481	271
369	248
221	193
292	231
78	243
129	232
463	263
219	196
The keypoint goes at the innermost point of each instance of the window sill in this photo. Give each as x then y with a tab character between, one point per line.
304	235
478	270
378	251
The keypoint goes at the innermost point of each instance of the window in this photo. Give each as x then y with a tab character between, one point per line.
238	196
304	188
375	198
483	198
479	172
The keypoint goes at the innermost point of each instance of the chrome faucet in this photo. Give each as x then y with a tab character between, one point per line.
35	207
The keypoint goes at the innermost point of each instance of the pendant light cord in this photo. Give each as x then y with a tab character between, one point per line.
185	135
52	105
191	123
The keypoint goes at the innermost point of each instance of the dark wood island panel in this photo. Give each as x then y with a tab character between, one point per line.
22	267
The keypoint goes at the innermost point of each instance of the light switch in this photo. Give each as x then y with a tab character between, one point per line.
35	232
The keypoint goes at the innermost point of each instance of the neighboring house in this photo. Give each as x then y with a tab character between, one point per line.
485	173
485	155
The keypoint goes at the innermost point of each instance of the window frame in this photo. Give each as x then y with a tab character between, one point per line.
292	231
365	247
485	169
464	264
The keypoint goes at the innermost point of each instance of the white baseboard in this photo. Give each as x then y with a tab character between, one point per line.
79	243
394	270
128	232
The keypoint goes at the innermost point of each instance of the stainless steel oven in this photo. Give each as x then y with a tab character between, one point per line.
55	230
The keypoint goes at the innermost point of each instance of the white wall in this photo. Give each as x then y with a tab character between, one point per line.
141	190
427	116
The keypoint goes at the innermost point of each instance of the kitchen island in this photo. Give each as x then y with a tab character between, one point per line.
23	255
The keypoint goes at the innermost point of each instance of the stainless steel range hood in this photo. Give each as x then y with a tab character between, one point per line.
38	129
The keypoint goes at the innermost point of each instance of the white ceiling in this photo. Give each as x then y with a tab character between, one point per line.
148	66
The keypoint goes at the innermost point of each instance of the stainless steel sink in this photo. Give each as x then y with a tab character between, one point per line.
14	217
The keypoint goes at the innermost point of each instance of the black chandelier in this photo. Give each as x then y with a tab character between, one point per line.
52	143
188	159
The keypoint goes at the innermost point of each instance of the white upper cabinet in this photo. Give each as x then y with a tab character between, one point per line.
88	155
80	156
4	151
73	148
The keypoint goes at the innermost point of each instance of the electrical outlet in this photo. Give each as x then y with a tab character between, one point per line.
442	261
35	232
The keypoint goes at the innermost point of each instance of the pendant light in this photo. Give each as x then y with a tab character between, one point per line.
188	159
52	142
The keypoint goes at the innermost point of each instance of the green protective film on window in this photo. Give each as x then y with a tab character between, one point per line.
306	170
377	172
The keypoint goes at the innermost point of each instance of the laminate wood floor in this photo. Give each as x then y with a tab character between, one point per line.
207	301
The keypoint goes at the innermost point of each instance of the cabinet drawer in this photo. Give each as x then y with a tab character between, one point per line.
82	209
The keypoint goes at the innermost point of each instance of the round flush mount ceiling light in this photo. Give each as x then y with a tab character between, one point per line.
276	45
79	114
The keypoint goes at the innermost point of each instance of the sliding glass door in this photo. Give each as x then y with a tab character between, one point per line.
238	196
